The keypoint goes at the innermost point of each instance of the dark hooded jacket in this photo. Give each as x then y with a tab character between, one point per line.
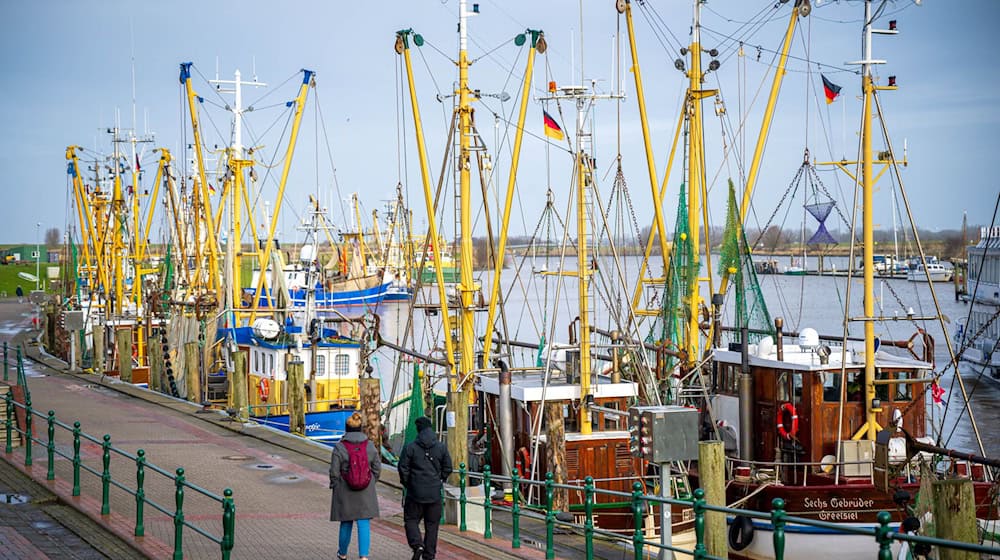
423	466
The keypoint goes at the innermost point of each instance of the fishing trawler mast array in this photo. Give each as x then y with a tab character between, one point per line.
805	416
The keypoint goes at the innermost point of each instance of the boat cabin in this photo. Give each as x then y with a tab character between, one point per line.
797	391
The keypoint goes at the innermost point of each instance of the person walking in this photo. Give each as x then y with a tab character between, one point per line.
424	465
20	294
354	468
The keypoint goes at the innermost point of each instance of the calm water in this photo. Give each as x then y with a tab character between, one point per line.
536	302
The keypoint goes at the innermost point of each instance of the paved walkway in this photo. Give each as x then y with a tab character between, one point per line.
279	482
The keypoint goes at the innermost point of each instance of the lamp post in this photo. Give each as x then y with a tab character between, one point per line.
38	254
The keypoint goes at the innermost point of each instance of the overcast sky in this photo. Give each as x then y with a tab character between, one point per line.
68	75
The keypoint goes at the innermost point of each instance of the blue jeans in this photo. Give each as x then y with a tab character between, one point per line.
364	537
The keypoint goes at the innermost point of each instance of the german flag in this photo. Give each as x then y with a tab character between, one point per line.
831	90
552	129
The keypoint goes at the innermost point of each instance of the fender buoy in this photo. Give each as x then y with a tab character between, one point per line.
524	458
740	532
264	389
788	431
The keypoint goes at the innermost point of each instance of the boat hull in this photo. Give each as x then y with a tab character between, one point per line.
326	427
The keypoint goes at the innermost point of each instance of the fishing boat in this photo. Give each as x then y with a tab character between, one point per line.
836	426
977	335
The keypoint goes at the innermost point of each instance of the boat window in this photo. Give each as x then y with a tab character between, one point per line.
271	369
341	364
881	391
904	391
732	379
796	387
832	383
256	361
781	393
320	365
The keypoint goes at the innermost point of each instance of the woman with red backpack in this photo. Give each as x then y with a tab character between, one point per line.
354	469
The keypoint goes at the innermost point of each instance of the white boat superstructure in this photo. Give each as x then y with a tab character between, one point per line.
978	334
936	272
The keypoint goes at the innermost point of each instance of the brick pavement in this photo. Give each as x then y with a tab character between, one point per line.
279	482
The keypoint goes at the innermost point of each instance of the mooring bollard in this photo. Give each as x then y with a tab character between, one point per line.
487	504
179	516
106	475
461	497
140	492
76	458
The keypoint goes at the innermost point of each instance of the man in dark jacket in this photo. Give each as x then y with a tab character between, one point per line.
424	465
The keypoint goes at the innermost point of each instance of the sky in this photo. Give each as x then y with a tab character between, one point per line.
68	77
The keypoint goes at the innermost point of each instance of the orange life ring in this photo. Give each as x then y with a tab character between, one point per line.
522	457
790	431
264	389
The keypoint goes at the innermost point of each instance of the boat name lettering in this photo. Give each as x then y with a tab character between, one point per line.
312	427
839	503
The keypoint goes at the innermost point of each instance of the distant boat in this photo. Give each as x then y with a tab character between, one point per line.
937	272
27	277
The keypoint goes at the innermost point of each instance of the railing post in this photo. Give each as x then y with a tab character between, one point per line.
5	365
140	492
588	524
461	497
27	431
638	539
778	522
76	458
515	509
882	536
50	447
9	404
228	523
699	524
106	475
550	516
487	504
179	516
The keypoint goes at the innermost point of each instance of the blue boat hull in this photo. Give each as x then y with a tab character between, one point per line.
356	301
326	427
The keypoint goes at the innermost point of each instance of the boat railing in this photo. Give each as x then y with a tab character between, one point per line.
636	503
764	471
156	493
310	405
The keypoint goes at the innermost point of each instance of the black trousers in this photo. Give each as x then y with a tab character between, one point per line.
430	514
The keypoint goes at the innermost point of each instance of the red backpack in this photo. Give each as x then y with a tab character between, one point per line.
358	474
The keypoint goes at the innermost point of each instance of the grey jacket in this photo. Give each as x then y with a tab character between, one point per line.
347	504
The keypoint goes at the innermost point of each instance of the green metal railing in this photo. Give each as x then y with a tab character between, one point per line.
882	535
181	485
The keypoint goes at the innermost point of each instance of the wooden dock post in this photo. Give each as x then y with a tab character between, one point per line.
712	474
97	336
371	397
955	516
123	343
296	397
238	396
154	352
191	373
555	452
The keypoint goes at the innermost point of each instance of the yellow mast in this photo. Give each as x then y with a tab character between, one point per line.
495	295
265	256
646	140
201	197
83	211
403	47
